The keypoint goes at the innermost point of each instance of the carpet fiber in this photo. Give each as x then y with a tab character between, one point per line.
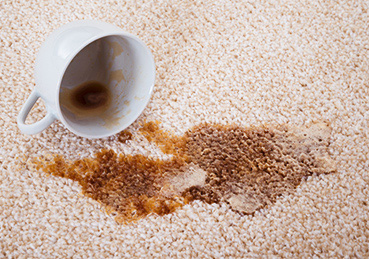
246	63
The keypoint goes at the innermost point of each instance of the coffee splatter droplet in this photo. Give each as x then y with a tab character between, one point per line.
124	136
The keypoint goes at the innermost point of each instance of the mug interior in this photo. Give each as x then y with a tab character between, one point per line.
124	66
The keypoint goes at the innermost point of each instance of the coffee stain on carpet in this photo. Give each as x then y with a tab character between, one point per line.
248	168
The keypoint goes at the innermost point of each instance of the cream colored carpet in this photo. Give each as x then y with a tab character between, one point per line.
244	62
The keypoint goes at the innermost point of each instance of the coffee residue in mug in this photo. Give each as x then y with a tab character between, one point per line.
91	98
247	168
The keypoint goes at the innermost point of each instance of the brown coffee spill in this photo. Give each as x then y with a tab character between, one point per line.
248	168
166	141
128	185
124	136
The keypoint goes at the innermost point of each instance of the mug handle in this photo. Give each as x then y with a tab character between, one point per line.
37	126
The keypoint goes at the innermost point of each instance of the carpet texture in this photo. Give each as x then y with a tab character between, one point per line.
246	63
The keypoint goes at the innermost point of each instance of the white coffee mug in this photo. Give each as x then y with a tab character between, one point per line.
91	51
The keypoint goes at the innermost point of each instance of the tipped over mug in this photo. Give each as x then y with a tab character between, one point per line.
83	54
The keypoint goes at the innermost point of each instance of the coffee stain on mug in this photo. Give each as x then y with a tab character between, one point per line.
116	50
116	47
116	76
112	118
89	99
248	168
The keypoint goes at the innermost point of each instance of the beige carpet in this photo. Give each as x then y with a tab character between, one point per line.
248	63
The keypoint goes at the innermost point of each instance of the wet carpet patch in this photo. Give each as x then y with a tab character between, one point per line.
248	168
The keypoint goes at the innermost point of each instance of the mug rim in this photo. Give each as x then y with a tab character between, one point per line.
60	115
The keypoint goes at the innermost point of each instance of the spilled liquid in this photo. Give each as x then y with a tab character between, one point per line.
248	168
